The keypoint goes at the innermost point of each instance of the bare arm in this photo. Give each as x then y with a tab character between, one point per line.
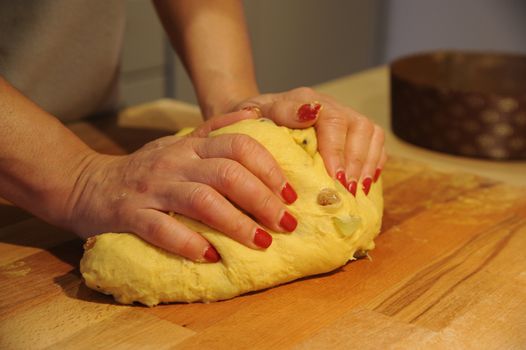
40	159
211	38
47	170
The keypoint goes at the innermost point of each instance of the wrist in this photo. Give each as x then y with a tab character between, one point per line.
224	95
59	197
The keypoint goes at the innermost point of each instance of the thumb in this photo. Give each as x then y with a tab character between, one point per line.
292	114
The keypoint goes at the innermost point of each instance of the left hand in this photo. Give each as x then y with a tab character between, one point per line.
351	145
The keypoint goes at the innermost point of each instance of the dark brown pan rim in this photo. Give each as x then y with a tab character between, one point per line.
463	103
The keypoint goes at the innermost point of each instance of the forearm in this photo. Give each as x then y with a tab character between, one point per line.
40	159
212	40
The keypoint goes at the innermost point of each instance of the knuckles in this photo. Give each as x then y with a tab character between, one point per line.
304	92
184	244
230	175
243	146
364	125
201	199
335	119
153	230
161	161
273	173
266	208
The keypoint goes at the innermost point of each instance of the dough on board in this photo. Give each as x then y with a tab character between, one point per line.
332	227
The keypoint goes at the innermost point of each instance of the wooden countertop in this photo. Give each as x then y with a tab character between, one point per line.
449	270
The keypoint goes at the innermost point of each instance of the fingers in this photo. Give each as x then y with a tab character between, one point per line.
359	137
197	184
244	189
381	164
349	143
371	170
253	156
374	154
166	232
205	204
240	169
351	146
332	134
294	114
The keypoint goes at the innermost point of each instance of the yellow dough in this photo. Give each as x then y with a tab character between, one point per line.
327	236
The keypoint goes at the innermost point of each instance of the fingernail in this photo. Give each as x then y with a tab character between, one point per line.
377	174
262	238
340	176
366	185
211	255
288	194
309	111
353	185
255	110
288	222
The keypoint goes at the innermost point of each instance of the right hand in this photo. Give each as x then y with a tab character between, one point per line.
191	176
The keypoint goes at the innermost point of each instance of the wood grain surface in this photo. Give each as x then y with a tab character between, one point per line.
449	271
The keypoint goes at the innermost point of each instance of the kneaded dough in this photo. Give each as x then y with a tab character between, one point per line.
328	235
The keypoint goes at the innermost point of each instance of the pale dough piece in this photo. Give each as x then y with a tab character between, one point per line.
326	238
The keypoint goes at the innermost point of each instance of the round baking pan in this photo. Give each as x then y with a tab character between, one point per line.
464	103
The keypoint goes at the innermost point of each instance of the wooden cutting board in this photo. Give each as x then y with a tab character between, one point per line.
449	271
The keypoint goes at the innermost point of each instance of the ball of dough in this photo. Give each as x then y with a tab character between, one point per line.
333	227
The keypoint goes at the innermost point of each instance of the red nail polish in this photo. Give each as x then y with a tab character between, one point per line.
366	185
308	111
377	174
288	194
262	238
340	176
353	185
211	255
288	222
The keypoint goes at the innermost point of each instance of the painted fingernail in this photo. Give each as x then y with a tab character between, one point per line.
262	238
211	255
340	176
255	110
366	185
288	222
353	185
309	111
288	194
377	174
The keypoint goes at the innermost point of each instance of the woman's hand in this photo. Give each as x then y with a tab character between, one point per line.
191	176
212	40
351	146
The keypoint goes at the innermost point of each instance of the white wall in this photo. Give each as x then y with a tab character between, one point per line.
295	42
143	60
305	42
417	25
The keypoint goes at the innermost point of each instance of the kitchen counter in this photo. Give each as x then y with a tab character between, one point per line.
449	270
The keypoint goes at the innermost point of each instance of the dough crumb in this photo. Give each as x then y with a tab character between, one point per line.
328	196
90	242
